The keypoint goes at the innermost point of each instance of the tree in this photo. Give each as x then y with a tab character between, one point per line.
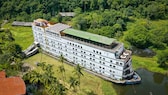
74	83
56	88
162	58
61	58
78	72
61	68
139	36
46	80
62	71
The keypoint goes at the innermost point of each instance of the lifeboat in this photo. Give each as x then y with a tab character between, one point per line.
125	53
123	56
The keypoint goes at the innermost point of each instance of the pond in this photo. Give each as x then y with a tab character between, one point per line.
143	52
152	84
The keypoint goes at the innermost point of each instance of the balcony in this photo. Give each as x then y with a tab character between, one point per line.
128	74
127	67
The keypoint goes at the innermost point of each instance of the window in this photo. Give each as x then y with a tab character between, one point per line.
96	51
103	62
103	58
110	65
120	63
99	61
99	66
100	53
114	66
117	63
93	50
110	70
103	68
100	57
111	61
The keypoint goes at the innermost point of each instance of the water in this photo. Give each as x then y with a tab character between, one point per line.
143	52
152	84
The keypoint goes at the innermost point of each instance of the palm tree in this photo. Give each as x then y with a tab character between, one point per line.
73	83
61	58
56	89
61	68
33	77
62	71
78	72
41	51
42	65
48	75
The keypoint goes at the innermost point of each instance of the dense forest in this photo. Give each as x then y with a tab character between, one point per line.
103	17
23	9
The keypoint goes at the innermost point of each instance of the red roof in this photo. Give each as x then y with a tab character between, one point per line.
12	86
2	74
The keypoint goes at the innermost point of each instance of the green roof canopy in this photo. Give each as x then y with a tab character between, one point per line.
89	36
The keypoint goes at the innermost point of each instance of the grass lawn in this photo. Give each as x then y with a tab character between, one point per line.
23	35
89	82
147	63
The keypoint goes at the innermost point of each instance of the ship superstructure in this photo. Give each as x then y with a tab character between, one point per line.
101	55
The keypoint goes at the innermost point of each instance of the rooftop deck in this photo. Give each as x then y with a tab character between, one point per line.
89	36
94	46
58	27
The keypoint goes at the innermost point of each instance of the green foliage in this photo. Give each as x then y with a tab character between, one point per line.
162	58
145	33
21	10
9	50
139	36
46	79
74	83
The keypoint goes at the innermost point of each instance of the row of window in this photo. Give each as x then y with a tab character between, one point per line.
72	44
117	63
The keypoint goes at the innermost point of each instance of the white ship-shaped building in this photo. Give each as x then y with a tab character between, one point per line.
100	55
